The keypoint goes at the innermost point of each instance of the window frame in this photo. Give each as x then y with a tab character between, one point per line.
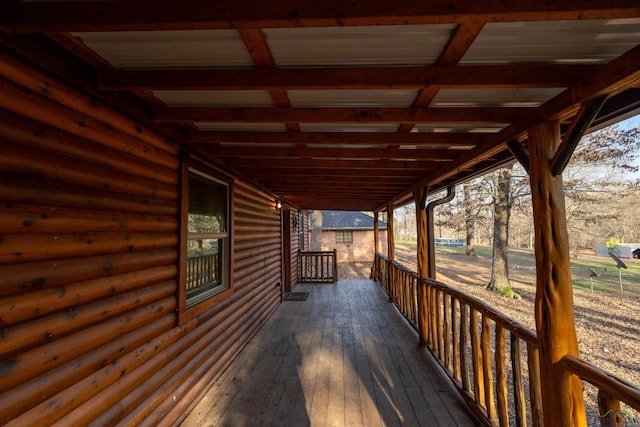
344	233
187	310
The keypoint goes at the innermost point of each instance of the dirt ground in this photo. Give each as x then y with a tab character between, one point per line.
608	329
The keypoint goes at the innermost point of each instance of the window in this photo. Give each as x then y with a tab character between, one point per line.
205	244
345	236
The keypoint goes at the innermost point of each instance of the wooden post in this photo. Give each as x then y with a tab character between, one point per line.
422	264
562	399
376	237
390	253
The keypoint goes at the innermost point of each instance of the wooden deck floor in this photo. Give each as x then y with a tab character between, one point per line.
344	357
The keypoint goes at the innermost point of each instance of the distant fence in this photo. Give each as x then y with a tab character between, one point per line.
318	267
456	243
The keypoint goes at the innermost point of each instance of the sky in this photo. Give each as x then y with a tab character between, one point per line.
631	122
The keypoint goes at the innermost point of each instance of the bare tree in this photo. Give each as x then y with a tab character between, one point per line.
501	213
598	191
316	231
471	213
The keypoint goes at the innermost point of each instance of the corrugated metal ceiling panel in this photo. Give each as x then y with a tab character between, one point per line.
572	42
521	97
268	127
365	45
352	98
170	49
348	127
452	127
215	98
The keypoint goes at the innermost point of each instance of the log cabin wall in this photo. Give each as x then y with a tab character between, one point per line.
89	236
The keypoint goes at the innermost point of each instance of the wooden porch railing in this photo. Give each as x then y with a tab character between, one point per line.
492	360
202	270
318	267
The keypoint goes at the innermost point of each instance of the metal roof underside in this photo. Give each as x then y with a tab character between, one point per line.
352	107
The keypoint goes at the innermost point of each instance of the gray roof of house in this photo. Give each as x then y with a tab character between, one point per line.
347	220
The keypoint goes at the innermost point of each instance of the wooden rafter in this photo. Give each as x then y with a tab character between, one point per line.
170	15
341	115
258	48
333	164
436	77
450	140
330	153
458	45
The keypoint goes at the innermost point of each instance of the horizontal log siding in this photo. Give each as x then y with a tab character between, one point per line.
257	269
88	265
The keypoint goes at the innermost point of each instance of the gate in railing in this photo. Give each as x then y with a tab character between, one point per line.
318	267
491	359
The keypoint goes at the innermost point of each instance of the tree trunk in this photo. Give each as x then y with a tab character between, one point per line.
502	212
316	231
469	221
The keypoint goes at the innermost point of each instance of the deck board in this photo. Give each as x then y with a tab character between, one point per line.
344	357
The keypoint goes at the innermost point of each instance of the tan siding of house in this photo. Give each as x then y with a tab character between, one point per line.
88	267
362	248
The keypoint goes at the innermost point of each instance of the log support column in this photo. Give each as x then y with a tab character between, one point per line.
391	252
562	398
376	237
422	264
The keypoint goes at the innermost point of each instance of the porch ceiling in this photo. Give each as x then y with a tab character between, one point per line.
343	105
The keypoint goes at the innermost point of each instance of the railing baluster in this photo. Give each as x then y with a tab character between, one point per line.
501	378
439	324
456	338
535	391
433	318
610	410
518	383
486	368
464	366
446	325
476	358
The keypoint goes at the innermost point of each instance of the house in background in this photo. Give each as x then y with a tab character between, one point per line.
351	234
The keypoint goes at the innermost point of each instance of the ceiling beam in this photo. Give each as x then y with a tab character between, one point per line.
333	153
340	115
333	164
438	77
125	15
458	44
293	173
257	46
423	139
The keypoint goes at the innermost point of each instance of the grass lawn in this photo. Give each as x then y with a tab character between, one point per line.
523	261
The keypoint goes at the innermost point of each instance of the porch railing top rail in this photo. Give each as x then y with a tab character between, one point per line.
603	380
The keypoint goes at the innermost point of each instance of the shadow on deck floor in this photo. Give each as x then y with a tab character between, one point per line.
344	357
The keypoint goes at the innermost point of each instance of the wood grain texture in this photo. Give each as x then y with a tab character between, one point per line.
343	357
562	396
